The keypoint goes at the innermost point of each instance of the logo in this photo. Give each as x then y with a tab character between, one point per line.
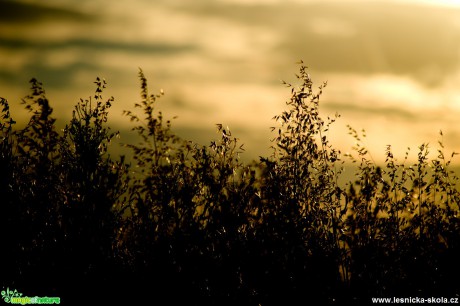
14	297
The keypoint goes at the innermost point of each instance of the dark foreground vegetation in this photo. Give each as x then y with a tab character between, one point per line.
194	224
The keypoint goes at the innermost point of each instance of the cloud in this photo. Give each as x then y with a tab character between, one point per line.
392	67
95	45
28	12
366	110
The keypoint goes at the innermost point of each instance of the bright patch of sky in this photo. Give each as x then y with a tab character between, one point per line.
450	3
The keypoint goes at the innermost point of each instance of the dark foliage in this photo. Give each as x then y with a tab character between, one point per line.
195	224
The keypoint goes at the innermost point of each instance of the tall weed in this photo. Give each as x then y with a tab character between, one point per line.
193	223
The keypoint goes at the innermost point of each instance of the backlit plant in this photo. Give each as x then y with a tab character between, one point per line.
195	224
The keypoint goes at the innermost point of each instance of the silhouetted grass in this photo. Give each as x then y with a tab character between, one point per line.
195	224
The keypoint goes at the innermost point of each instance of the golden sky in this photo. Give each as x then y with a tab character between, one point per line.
392	67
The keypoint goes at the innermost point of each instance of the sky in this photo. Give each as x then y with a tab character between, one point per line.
392	67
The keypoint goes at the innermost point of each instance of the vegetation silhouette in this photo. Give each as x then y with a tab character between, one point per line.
195	224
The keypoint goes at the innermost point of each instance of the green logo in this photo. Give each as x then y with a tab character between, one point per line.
14	297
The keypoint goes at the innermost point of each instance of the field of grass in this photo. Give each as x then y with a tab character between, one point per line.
195	224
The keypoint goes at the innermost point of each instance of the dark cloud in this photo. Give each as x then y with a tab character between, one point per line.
95	45
27	12
62	74
52	77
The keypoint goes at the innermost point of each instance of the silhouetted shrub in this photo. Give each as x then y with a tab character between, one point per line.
195	224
